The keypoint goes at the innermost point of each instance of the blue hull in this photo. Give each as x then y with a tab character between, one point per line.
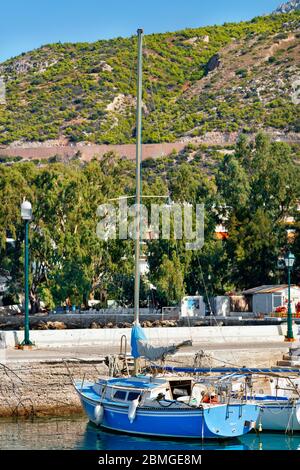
215	422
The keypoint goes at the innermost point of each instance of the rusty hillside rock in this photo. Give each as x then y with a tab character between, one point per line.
56	325
95	326
42	326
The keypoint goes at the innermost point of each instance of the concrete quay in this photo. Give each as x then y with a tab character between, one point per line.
111	337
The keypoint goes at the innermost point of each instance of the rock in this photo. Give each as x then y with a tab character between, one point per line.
10	310
199	323
56	325
42	326
102	67
168	323
288	7
94	326
192	41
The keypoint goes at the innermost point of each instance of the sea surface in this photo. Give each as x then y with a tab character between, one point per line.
77	433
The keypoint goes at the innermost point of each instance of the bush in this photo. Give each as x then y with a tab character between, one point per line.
281	36
243	73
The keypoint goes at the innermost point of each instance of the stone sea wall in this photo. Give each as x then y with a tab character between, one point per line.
45	388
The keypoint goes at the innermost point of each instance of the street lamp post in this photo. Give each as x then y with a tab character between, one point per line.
289	260
26	214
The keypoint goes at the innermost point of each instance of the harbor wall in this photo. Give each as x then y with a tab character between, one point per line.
112	336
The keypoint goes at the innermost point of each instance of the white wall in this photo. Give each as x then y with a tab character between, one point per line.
110	337
263	303
222	306
186	311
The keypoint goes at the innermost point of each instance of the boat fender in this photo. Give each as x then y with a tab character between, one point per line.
98	414
132	410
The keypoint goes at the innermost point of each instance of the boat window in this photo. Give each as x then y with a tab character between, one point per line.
181	388
120	395
133	396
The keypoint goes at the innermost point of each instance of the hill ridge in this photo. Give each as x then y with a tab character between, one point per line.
237	77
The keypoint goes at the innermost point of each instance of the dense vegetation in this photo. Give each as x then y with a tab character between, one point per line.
63	90
255	187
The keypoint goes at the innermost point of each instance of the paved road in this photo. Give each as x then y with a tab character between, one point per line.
94	353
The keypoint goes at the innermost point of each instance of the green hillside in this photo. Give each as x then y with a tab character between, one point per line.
85	91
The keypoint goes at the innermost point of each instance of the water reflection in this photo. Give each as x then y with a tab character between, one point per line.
104	440
75	433
272	441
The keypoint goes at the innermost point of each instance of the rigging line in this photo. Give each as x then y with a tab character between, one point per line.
155	116
153	104
188	314
212	316
157	125
132	67
205	288
289	427
162	156
295	388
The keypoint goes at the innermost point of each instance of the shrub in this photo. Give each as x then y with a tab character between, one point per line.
242	73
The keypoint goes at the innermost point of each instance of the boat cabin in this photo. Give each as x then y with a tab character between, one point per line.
147	388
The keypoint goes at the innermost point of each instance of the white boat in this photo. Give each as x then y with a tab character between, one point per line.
278	413
280	406
280	410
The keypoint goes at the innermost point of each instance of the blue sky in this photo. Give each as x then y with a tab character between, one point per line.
27	24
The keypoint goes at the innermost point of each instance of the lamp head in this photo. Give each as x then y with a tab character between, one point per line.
289	260
26	210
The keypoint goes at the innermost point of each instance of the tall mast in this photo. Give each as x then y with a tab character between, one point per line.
138	177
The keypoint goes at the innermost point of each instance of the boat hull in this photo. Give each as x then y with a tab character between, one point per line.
214	422
280	416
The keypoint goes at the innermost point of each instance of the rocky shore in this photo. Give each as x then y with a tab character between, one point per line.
98	321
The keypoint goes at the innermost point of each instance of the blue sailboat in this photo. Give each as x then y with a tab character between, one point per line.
148	405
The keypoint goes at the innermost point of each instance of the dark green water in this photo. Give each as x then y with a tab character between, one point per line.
76	433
